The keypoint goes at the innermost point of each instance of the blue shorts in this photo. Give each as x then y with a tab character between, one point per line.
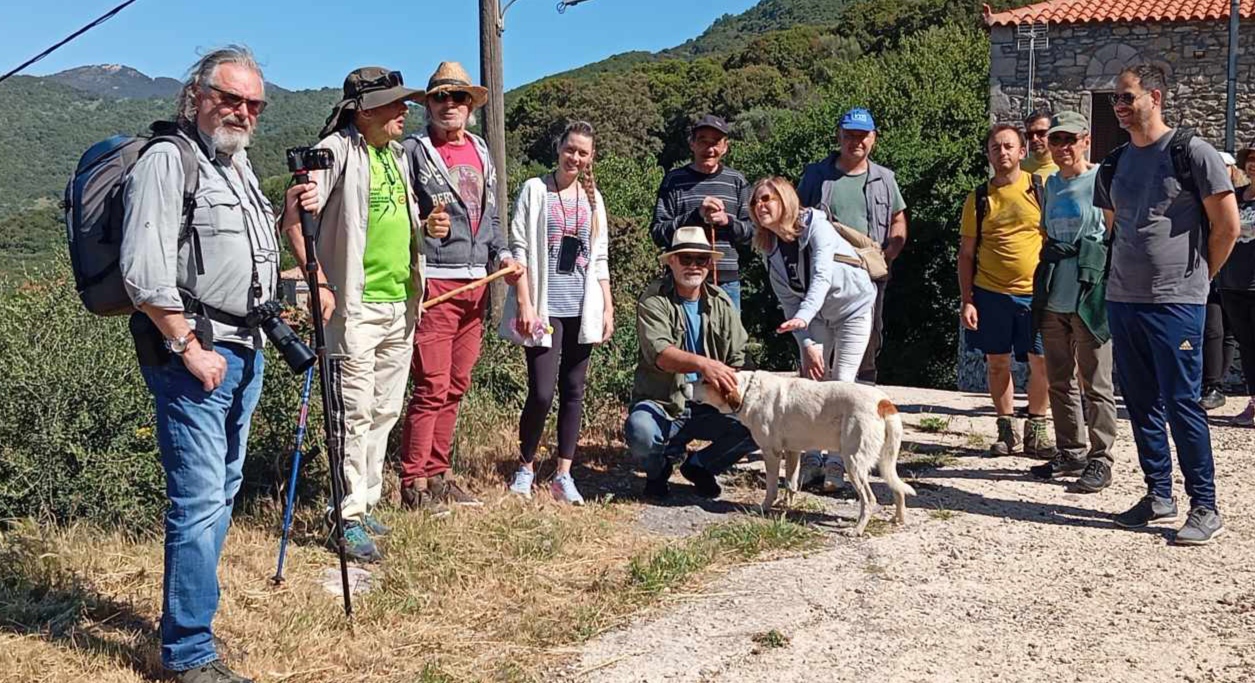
1004	325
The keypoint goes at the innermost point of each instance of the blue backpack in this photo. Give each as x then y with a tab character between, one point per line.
94	209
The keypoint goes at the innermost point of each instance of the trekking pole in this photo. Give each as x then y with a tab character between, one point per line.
302	160
301	420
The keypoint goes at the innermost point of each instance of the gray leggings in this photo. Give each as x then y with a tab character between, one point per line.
564	367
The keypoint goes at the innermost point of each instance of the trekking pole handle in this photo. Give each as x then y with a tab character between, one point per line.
309	227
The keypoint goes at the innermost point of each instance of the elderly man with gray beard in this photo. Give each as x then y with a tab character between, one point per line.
200	360
688	332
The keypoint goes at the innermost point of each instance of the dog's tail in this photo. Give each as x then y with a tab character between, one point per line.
893	443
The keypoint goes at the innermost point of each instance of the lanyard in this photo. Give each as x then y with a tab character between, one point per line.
562	206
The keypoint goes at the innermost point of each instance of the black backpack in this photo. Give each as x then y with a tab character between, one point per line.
94	209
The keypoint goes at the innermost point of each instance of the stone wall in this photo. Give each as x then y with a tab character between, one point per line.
1086	58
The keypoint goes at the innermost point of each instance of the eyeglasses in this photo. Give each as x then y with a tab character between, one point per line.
1124	99
458	96
699	260
233	101
1031	134
1061	139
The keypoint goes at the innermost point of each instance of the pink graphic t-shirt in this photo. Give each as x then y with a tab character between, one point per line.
467	171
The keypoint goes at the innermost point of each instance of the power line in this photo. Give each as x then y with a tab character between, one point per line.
99	20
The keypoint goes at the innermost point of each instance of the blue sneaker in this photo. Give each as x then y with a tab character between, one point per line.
563	490
521	485
358	544
374	527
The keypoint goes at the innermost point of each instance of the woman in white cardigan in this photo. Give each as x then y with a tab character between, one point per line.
560	307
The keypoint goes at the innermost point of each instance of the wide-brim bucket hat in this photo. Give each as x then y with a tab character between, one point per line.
367	88
690	240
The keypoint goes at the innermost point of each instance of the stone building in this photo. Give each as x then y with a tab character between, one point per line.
1081	47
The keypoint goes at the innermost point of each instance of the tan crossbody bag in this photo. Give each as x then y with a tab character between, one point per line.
871	257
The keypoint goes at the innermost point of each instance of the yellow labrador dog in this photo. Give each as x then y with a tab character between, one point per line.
788	415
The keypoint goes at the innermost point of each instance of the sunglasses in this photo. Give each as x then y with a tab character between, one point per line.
699	260
392	79
764	199
1062	139
233	101
1032	134
1124	99
458	96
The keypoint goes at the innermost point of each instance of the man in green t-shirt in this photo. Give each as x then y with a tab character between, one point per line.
371	267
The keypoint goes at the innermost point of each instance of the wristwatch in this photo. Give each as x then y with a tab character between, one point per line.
179	344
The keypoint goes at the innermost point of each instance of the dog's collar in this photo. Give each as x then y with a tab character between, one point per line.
748	384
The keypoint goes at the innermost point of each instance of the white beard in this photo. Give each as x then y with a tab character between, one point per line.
228	141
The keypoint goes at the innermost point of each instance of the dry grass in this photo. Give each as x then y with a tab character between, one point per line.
489	594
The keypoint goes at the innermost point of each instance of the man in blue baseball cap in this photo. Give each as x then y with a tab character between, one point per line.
863	195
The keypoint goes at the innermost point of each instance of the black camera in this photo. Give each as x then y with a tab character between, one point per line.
306	159
295	352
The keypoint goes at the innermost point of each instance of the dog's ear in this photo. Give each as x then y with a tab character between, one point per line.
733	399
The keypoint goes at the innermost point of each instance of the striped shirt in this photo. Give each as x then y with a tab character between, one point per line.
567	216
679	205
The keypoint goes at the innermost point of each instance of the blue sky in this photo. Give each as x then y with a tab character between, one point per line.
314	43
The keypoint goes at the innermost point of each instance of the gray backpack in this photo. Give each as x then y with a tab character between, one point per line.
94	209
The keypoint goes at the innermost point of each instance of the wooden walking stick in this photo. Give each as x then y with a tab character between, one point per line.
501	272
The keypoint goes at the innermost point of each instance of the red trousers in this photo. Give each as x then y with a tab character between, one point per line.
446	346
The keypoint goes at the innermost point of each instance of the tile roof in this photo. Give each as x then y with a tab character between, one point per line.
1081	11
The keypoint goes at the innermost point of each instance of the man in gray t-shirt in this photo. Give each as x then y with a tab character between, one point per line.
1174	223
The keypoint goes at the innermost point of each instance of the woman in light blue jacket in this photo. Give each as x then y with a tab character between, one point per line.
816	274
827	296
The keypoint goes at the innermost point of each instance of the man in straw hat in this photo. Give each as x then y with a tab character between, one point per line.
688	331
369	259
455	184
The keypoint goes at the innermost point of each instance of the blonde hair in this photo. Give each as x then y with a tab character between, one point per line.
790	220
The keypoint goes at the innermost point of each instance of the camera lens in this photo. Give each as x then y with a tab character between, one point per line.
295	352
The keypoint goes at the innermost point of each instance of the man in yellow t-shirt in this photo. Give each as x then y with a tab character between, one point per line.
997	257
1038	160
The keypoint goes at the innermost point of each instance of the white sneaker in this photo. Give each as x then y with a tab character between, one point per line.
522	483
1247	417
563	490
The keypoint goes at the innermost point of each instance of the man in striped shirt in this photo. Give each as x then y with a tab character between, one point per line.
709	194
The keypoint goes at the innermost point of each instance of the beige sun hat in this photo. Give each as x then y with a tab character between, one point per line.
690	240
451	76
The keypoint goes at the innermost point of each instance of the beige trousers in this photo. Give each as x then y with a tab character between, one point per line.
374	348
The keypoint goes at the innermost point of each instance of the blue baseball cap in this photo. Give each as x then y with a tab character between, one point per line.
858	119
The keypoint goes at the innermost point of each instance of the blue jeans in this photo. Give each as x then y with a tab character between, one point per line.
1159	359
733	289
202	436
656	440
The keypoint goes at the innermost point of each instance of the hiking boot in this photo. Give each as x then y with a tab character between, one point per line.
1037	443
416	497
1008	442
357	543
213	672
811	470
374	527
1062	465
447	491
521	484
1096	477
1212	398
1149	509
701	478
834	478
659	488
563	490
1246	418
1201	526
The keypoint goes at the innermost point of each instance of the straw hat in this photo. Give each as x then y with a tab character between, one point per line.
367	88
451	77
690	240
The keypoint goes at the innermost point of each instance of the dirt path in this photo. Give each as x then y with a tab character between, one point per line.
996	577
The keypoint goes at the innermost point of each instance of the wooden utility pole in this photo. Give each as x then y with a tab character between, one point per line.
490	70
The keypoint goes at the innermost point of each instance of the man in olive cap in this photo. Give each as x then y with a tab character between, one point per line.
369	256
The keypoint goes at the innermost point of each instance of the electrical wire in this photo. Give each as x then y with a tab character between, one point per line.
100	20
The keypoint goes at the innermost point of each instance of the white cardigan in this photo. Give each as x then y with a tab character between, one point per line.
529	233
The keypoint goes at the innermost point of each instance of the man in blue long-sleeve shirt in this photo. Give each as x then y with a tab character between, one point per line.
707	193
